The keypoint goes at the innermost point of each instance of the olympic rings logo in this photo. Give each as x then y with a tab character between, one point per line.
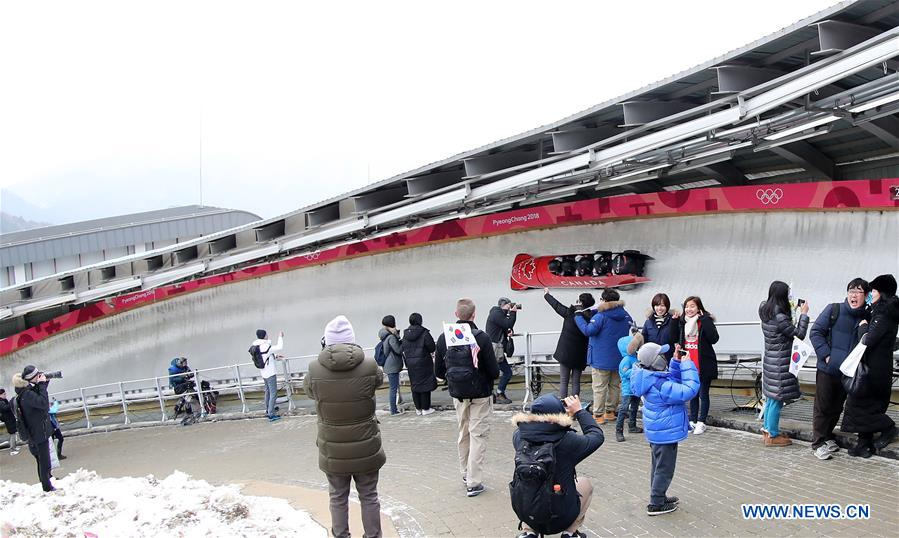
769	196
313	256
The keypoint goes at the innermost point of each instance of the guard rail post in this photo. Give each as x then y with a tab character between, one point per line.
243	400
87	415
200	393
124	403
527	370
161	400
288	386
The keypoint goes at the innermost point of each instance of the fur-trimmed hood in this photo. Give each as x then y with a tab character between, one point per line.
18	382
561	419
608	305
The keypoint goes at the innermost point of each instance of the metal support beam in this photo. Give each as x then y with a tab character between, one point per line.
576	139
736	78
477	166
725	172
837	36
806	156
420	185
886	129
642	112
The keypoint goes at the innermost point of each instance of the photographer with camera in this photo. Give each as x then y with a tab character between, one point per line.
500	323
34	408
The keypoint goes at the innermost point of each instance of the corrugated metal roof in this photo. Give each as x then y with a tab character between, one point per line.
116	232
119	221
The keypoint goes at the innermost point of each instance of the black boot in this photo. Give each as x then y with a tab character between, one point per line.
886	437
634	429
619	435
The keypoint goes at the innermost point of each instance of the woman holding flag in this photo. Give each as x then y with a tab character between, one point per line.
778	384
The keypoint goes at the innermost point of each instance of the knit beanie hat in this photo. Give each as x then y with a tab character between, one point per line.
651	357
339	331
261	334
885	284
29	373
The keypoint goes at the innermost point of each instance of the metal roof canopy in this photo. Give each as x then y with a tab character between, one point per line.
756	112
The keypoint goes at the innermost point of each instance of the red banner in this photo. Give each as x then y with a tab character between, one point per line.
844	195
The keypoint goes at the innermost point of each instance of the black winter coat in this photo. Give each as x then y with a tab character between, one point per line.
35	404
418	345
7	416
572	347
866	412
572	448
499	323
488	368
708	337
777	381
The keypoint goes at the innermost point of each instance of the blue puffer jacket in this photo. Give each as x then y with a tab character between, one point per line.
664	395
843	336
610	323
174	370
628	360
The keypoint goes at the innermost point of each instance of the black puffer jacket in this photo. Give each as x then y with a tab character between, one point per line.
777	381
866	412
488	368
550	424
572	347
35	404
7	416
418	345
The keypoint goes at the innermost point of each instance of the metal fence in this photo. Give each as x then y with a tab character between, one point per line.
146	399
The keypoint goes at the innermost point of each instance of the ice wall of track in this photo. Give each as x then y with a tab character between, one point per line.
728	260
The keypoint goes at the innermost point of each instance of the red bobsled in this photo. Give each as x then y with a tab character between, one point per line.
597	270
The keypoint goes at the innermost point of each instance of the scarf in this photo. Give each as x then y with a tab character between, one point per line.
691	327
659	320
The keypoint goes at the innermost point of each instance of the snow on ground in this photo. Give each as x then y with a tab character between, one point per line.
90	506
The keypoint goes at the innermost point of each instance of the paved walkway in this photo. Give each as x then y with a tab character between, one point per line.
423	495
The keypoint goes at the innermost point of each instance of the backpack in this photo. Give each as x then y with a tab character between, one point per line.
462	377
531	488
258	360
21	426
380	356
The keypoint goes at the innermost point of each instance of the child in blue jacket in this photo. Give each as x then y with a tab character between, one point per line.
665	389
628	346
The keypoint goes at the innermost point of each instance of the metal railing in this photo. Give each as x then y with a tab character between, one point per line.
223	380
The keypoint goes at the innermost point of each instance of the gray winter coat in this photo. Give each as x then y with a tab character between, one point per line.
777	381
393	348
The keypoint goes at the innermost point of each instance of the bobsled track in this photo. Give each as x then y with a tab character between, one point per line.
728	259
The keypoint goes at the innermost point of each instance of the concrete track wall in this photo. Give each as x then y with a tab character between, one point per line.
728	260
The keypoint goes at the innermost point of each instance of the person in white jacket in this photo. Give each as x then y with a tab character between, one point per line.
268	372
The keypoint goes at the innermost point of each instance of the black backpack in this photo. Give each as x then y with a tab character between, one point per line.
531	488
258	360
462	377
22	428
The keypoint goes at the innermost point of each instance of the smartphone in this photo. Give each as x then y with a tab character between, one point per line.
800	302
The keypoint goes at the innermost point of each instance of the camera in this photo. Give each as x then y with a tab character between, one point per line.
53	375
517	305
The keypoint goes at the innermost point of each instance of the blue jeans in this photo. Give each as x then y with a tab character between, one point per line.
772	416
271	393
627	410
394	380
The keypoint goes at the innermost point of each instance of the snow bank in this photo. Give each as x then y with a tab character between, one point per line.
90	506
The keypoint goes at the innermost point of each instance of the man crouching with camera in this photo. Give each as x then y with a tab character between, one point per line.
34	407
